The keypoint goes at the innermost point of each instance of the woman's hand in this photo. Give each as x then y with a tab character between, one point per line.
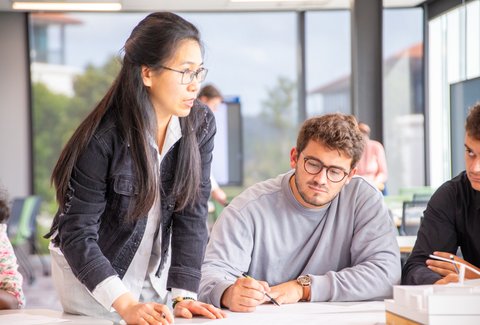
189	308
134	312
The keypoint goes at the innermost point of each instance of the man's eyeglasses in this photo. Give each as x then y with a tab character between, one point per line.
188	75
314	167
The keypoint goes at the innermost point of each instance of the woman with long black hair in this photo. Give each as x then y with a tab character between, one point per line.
133	179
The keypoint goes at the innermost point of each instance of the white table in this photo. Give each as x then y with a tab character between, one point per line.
46	316
338	313
406	243
351	313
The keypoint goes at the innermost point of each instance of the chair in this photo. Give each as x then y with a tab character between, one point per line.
421	196
22	226
412	214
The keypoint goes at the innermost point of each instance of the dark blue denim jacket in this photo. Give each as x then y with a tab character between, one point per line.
92	232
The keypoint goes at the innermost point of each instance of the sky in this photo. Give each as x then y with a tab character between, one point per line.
246	53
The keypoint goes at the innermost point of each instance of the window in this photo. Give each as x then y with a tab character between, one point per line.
403	98
454	45
253	61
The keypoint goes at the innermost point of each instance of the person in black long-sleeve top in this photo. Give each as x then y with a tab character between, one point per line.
451	220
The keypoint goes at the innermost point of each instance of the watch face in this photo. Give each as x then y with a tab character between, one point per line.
304	280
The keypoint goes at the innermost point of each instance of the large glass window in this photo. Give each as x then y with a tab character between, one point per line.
253	61
328	62
74	62
403	99
328	83
454	45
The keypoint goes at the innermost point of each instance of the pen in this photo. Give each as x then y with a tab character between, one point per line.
454	264
266	294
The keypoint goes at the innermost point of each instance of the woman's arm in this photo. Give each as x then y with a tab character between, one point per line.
79	218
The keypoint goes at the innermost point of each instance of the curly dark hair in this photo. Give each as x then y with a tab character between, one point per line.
472	125
336	131
4	208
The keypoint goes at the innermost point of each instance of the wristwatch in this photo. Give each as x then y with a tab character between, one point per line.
305	281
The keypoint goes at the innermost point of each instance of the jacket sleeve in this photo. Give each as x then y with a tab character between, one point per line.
436	233
189	229
375	257
79	218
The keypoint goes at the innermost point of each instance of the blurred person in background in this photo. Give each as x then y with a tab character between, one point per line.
373	164
11	293
211	96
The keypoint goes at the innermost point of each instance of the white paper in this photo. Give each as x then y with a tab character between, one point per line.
27	319
363	313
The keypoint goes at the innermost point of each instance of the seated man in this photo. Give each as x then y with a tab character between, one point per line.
451	220
316	233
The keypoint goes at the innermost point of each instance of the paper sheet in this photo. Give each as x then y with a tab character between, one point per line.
364	313
27	319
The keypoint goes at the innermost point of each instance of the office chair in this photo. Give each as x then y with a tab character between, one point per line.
22	226
412	215
421	196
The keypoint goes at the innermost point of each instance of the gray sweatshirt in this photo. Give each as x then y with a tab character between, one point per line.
349	247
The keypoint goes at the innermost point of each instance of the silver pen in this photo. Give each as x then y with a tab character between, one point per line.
454	264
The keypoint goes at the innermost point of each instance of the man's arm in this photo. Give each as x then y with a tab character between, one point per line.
375	259
228	254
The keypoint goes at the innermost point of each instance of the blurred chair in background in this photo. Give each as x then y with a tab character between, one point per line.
412	214
421	196
22	230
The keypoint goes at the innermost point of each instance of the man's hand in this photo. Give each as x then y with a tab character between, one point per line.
452	277
287	293
189	308
245	295
447	270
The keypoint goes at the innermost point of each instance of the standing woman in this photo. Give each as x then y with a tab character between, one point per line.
134	178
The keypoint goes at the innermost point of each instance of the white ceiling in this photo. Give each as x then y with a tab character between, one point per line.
228	5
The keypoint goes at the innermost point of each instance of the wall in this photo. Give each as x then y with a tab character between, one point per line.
15	153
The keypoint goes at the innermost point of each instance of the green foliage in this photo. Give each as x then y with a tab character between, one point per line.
50	125
278	109
271	136
55	118
91	86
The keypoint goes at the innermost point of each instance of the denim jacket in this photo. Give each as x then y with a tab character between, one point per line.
93	235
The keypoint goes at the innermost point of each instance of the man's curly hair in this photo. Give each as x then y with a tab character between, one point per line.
336	131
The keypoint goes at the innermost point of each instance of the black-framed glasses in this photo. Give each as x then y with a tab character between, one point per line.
314	167
188	75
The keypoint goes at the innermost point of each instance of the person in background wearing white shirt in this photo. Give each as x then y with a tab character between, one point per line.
211	96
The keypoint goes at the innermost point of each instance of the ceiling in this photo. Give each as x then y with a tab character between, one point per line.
228	5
